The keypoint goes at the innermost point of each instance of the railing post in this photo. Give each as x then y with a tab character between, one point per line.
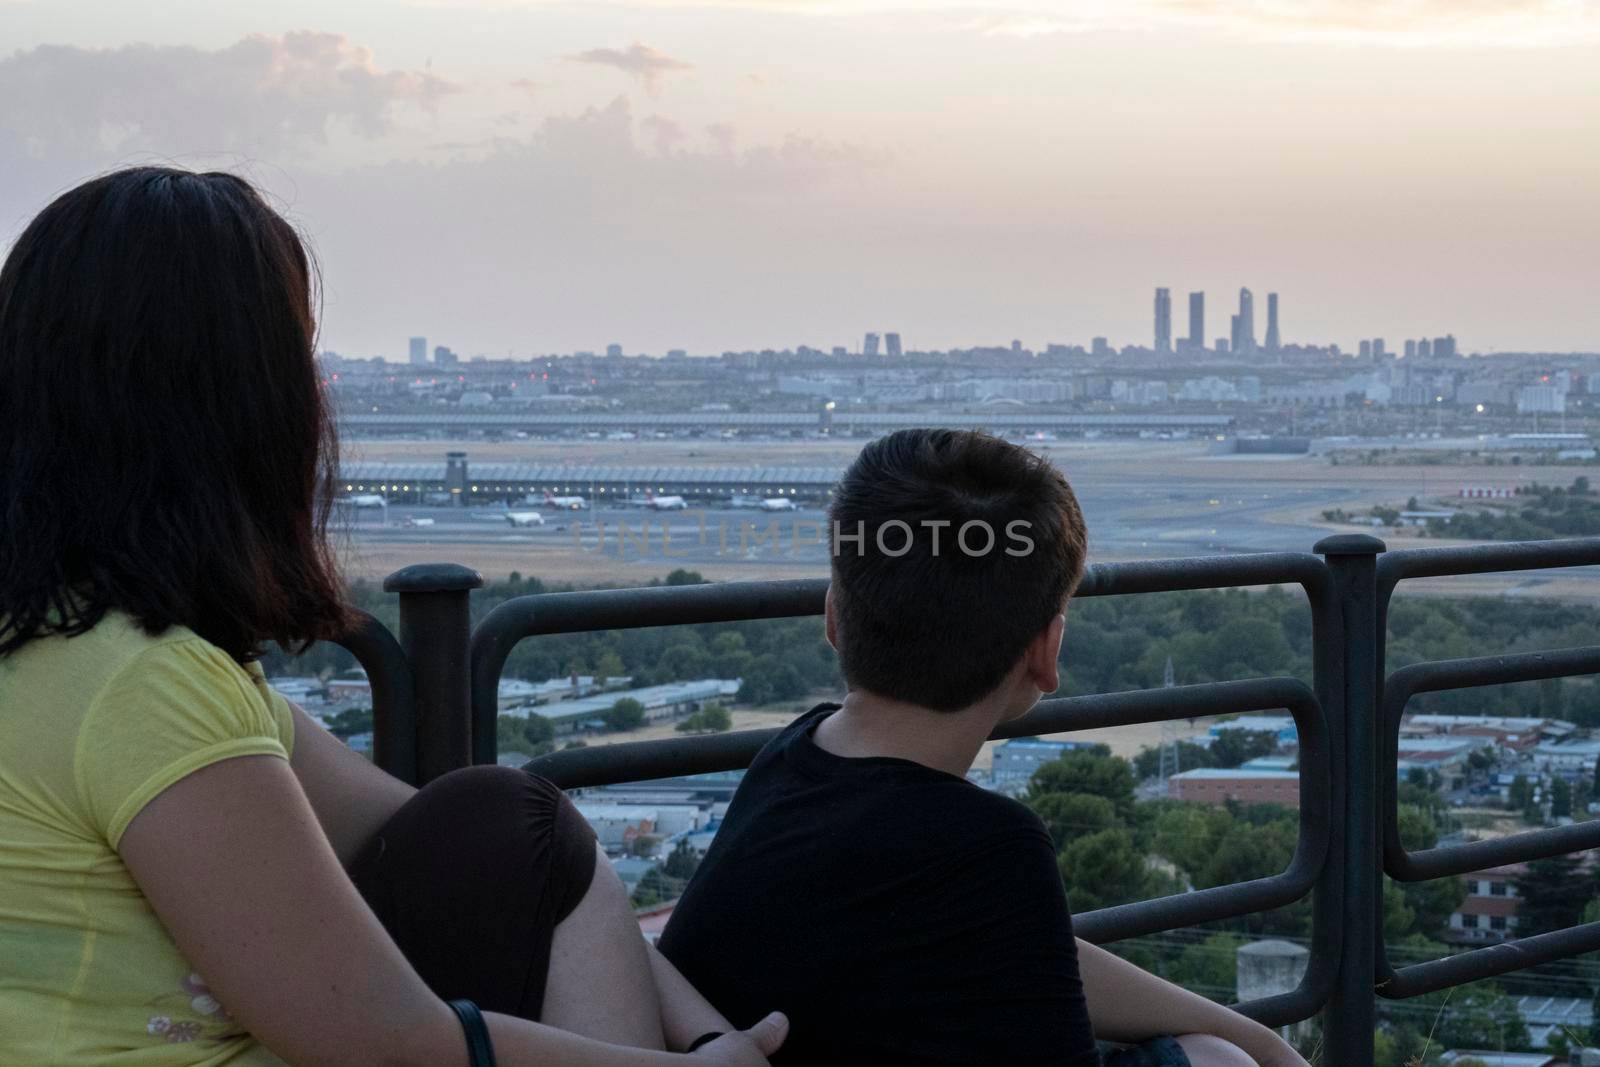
1350	1016
435	631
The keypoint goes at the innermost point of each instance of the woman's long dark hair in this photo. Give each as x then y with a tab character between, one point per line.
165	445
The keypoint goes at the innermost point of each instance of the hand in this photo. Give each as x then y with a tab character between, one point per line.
746	1048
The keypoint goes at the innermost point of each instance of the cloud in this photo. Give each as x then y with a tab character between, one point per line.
529	86
277	96
664	132
1407	23
639	61
722	135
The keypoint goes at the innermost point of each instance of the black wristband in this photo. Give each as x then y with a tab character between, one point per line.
480	1051
705	1039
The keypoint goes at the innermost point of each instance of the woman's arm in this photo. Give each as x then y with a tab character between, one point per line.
351	797
685	1014
1127	1004
236	866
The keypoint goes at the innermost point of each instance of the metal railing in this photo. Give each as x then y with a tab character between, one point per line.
435	695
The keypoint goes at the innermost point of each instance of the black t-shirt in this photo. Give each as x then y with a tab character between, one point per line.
897	914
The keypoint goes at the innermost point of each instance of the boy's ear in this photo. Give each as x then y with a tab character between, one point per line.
831	621
1044	655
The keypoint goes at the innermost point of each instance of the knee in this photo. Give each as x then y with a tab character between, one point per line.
1206	1050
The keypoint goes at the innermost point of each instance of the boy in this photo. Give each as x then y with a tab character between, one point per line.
893	910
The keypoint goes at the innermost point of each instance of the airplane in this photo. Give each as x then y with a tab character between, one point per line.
570	503
524	518
665	503
777	503
366	500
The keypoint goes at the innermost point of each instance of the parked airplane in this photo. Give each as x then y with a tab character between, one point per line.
524	518
570	503
366	500
665	503
777	503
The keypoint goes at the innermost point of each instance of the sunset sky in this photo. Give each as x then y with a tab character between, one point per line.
530	177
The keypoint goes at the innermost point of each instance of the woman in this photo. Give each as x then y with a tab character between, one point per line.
180	848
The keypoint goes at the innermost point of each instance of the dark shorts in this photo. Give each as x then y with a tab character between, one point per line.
1157	1052
470	878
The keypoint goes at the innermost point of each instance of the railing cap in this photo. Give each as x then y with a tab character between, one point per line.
1349	545
433	578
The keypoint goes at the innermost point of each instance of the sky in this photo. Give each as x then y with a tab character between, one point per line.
519	177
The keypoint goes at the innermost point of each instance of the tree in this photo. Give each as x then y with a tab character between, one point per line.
608	666
625	714
1520	796
1069	816
1087	772
682	861
531	736
1209	967
348	722
1234	747
1105	868
1553	894
1560	798
644	845
1147	764
654	888
711	719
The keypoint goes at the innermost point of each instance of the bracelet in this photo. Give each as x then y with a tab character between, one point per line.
480	1051
705	1039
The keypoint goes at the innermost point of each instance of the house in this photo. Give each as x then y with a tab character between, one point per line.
1280	726
1016	760
1489	912
1218	785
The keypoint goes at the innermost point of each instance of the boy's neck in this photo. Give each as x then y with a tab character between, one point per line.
871	725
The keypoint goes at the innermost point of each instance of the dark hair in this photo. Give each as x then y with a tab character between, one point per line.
165	445
927	614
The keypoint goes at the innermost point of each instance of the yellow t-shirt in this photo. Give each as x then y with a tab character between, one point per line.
92	728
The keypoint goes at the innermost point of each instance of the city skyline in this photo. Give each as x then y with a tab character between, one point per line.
667	174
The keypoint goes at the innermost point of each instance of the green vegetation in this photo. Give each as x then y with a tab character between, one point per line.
711	719
1546	511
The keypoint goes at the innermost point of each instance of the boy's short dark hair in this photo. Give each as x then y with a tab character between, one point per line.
952	549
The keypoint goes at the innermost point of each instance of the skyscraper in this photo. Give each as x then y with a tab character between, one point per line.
1273	343
1235	340
869	347
1247	323
1163	320
1197	321
891	345
419	350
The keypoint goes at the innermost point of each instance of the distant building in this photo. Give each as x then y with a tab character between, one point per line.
1444	347
1273	341
1424	349
869	345
1163	320
419	351
1218	785
1489	912
1224	346
613	350
1378	349
443	357
839	351
1100	347
1197	321
1365	349
1281	727
891	344
1541	399
1411	349
1246	340
660	702
1016	761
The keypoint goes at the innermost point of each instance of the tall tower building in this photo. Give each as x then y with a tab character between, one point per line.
1163	320
1197	321
419	350
1273	341
869	346
891	345
1235	339
1247	322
